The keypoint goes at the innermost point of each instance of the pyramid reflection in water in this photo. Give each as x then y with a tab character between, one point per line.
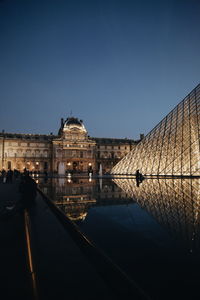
172	147
174	203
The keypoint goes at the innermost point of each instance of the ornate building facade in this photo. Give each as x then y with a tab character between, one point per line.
72	150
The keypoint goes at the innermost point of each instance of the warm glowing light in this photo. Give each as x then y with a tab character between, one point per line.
172	147
160	199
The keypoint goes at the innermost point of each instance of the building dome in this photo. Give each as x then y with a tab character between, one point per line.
74	124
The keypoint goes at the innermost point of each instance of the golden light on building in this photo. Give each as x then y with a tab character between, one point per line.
172	147
71	150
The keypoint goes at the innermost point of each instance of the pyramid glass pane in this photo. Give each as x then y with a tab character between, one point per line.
172	147
174	203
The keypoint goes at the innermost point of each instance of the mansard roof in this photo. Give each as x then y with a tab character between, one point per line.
26	136
114	141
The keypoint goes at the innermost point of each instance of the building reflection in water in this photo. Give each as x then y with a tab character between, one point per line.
174	203
75	196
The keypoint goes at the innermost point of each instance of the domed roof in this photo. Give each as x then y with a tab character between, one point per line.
73	120
74	123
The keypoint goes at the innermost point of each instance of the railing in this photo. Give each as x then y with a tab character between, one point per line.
30	255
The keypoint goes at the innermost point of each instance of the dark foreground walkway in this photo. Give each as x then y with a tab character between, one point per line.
64	268
62	271
14	274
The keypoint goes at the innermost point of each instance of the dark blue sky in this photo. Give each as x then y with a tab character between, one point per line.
121	66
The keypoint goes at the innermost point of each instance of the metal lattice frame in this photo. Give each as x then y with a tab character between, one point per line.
174	203
172	147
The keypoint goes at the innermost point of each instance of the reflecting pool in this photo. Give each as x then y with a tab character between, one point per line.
151	230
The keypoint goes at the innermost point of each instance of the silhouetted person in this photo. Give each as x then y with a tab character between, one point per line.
3	174
9	176
16	173
139	177
28	190
137	174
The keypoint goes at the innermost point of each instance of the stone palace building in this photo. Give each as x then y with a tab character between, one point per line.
72	150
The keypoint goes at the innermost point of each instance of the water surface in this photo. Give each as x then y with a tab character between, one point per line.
151	231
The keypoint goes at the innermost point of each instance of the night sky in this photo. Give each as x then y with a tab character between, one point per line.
121	66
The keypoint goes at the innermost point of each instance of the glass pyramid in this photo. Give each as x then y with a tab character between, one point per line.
174	203
172	147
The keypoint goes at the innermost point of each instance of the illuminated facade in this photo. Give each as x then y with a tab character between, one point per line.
72	150
172	147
